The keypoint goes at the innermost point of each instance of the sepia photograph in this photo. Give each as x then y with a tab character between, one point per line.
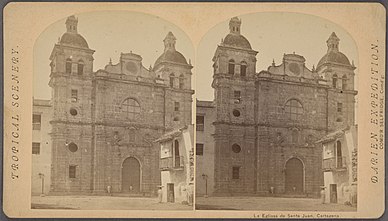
275	118
112	114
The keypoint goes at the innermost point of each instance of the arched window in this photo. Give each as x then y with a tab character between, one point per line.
181	81
335	78
231	67
339	154
131	108
80	67
293	109
243	69
68	66
172	77
344	82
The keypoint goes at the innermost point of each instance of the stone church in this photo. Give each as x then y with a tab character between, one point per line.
105	122
266	123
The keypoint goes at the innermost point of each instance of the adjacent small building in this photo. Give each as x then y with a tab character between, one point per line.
204	178
339	164
177	165
41	147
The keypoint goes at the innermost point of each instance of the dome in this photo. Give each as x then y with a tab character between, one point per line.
74	39
171	56
236	40
334	57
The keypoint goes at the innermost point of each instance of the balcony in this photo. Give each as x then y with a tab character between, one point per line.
334	163
171	163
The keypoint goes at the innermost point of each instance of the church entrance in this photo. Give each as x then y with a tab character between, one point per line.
294	176
130	179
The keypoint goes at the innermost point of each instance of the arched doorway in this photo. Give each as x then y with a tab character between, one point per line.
130	179
294	176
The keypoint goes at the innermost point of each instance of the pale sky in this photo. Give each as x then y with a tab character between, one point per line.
113	32
109	33
272	35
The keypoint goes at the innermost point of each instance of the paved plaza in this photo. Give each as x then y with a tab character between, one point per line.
103	202
267	204
210	203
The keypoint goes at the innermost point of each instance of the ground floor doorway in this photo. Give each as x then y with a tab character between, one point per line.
294	181
130	179
170	193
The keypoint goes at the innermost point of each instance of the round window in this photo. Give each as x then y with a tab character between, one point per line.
294	68
73	111
131	67
236	113
72	147
236	148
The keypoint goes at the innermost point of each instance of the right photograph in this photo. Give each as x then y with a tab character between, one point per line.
276	125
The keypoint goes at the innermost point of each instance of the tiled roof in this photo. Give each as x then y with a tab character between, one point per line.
332	136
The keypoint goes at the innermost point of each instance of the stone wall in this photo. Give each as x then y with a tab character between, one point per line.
106	136
281	138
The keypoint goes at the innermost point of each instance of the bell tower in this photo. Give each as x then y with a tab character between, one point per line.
72	101
173	69
339	74
234	87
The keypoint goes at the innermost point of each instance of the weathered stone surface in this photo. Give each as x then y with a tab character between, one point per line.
120	112
281	113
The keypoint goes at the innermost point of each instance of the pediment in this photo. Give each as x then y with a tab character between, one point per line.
132	137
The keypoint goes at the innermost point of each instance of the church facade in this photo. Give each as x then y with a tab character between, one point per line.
105	122
266	123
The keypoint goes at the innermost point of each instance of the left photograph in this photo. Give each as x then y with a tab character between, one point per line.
112	114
